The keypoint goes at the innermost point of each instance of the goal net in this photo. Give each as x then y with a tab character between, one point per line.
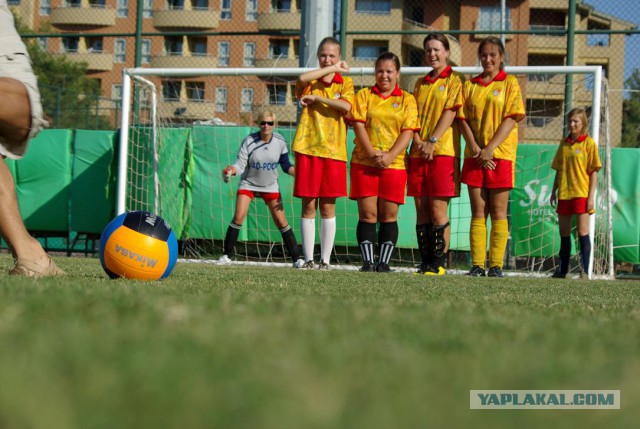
181	127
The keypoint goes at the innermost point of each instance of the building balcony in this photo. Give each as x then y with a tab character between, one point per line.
87	16
279	21
285	113
96	61
182	61
180	18
186	110
283	62
416	40
548	86
547	44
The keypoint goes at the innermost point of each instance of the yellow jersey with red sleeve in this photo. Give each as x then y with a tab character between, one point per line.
384	119
486	105
322	130
575	160
434	96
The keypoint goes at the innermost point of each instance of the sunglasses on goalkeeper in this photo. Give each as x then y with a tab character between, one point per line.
270	123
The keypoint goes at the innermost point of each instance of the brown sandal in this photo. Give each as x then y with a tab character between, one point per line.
27	268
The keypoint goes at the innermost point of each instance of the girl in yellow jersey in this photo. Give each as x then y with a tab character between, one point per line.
577	164
320	147
434	158
492	108
384	118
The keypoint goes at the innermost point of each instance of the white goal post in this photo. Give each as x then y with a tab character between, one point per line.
149	132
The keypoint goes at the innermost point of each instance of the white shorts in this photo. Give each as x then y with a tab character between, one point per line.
18	66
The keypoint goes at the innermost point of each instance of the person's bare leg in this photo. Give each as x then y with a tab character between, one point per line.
15	111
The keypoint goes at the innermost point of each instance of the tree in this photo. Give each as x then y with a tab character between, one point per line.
631	112
70	98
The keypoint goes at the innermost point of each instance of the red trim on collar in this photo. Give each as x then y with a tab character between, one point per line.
580	139
445	74
337	78
396	91
502	75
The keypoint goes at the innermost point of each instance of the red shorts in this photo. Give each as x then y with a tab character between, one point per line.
266	196
386	183
319	177
502	177
437	178
571	207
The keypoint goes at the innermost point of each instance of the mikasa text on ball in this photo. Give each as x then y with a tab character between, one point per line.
138	245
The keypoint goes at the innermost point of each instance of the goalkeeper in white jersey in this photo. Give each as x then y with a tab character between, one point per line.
257	164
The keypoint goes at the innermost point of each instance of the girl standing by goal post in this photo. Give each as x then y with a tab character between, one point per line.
320	146
434	158
577	164
492	108
384	118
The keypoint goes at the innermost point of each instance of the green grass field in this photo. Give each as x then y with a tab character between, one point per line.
250	347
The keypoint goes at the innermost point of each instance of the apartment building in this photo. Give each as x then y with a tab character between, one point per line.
263	33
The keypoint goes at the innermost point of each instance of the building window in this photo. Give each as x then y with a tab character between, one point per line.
368	50
588	79
249	54
198	46
70	44
147	8
122	8
43	43
373	6
94	45
71	3
283	6
45	8
173	45
221	99
278	49
225	10
201	4
116	92
97	3
175	4
145	48
13	2
195	91
246	100
252	10
120	50
171	90
277	95
489	19
223	54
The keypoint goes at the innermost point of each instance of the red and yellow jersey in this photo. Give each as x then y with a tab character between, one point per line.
574	162
486	105
384	119
434	96
322	130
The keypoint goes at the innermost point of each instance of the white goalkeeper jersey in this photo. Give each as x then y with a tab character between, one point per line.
258	161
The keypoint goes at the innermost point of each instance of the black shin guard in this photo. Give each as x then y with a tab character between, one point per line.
387	239
366	236
289	240
231	238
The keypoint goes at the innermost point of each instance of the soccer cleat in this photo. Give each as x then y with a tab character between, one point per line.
368	268
224	260
559	275
476	271
308	265
434	271
323	266
495	272
383	268
299	263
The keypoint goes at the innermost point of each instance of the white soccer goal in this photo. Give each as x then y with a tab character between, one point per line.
173	147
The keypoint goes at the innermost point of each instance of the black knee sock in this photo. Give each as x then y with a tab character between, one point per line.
585	252
439	244
366	236
289	239
231	238
424	245
387	239
565	254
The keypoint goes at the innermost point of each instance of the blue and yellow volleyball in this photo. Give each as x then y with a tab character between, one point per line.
138	245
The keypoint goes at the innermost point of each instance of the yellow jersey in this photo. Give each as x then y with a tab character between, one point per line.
486	105
384	119
322	130
574	162
434	96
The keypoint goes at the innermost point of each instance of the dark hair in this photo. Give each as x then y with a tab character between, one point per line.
438	37
492	40
388	56
328	41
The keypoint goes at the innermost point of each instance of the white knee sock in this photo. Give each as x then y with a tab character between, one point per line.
308	235
327	237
